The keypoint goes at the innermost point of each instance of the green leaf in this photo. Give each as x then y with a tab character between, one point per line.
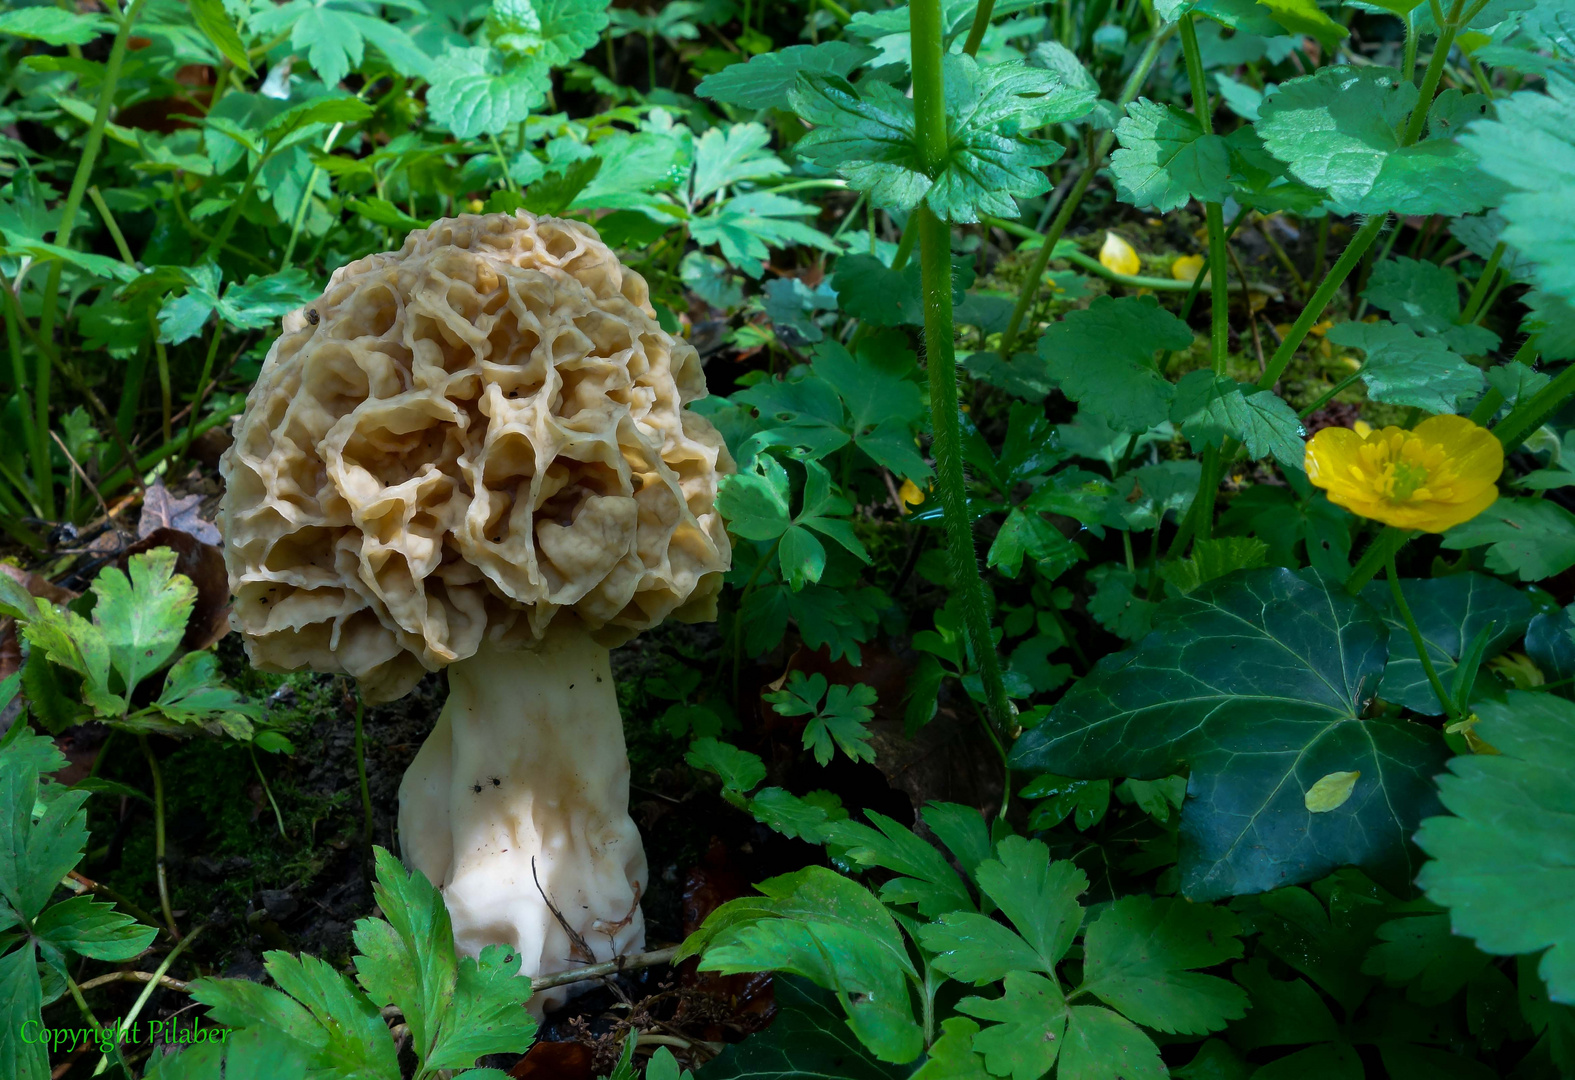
634	167
356	1039
1026	535
1212	559
53	26
1450	611
807	818
1420	953
1306	17
842	721
1208	409
473	94
872	292
882	398
34	856
740	770
22	999
1138	957
817	924
88	928
808	1040
1403	368
1426	297
1531	538
1193	695
727	156
1166	159
142	617
952	1056
1103	358
1285	1012
1031	1021
926	879
1116	605
764	82
1100	1045
1530	146
1339	130
555	191
1330	1061
487	1015
241	1004
194	694
552	32
407	957
1501	857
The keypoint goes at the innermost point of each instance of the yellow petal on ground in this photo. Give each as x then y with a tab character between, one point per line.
1330	792
1187	268
1118	256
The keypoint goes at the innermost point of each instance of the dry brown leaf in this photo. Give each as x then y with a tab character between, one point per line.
161	510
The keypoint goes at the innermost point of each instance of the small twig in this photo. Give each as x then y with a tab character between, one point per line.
136	976
575	938
76	468
147	991
607	967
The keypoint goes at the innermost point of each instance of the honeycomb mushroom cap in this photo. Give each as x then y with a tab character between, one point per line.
475	435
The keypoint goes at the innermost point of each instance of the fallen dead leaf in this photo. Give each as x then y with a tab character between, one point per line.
161	510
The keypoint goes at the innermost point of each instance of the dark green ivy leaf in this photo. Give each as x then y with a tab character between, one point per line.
1193	696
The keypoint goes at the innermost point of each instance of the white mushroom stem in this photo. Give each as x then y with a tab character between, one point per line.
527	761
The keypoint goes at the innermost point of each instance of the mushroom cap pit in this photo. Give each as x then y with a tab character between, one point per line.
474	435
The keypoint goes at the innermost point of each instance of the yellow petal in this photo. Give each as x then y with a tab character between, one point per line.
1187	268
910	494
1330	792
1362	427
1117	256
476	206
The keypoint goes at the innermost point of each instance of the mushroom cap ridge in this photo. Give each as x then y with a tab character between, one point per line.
473	435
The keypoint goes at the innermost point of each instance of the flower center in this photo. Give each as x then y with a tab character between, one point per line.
1405	479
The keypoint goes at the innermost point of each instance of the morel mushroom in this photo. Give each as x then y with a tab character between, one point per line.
473	453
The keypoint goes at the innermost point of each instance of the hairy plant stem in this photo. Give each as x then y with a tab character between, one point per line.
1528	416
935	262
158	835
50	298
1214	216
1417	640
1063	217
1488	407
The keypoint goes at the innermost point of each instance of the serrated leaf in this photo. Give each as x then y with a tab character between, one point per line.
1530	539
22	998
807	818
926	879
1502	854
1101	1045
952	1057
746	227
407	957
1208	409
53	26
1450	611
34	856
1426	297
356	1040
1031	1020
1403	368
1166	159
1192	696
1027	535
472	94
726	156
86	927
1215	558
1139	955
1339	130
487	1015
764	81
740	770
1103	358
872	292
143	617
1422	954
808	1040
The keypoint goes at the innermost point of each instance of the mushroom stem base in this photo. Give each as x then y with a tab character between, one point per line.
518	804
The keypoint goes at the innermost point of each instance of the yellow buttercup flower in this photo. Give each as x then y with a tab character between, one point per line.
1432	478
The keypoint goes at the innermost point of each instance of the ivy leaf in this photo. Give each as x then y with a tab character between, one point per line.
1103	358
1031	1017
1339	129
1191	697
1530	538
1403	368
1208	409
765	81
1450	611
1101	1045
1498	860
1530	146
838	716
1165	158
1138	957
1426	297
926	879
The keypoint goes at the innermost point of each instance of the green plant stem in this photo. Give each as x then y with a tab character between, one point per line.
1328	395
1380	551
306	198
112	225
1479	291
1434	72
1408	68
147	990
1529	415
1417	640
1063	217
228	224
1214	216
981	23
1320	299
202	386
910	234
360	772
81	1002
68	216
158	835
935	261
268	791
36	438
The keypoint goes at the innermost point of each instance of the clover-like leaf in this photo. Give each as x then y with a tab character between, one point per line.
1501	857
1258	683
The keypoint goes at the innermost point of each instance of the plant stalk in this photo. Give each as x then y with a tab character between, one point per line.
941	362
981	23
1417	641
158	835
1380	551
1214	216
1529	415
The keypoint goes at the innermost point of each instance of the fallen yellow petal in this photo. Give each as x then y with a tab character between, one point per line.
1187	268
1330	792
910	494
1118	256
